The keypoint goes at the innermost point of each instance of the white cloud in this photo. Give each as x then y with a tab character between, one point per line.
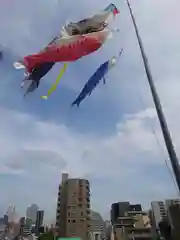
40	151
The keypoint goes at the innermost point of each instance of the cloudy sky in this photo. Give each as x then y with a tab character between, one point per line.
109	139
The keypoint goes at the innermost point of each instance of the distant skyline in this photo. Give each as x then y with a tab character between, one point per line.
109	140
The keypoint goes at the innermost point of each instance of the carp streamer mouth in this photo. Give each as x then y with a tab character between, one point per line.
18	65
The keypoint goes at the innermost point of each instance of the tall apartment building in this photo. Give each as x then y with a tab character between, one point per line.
31	212
39	220
157	215
73	208
158	212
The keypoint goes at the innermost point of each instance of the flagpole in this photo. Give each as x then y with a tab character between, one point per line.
161	116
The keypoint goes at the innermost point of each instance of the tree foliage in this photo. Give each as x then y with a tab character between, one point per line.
47	236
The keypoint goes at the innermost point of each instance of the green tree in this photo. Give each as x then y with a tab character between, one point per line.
47	236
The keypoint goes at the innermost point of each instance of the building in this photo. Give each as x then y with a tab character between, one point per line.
133	233
61	206
31	212
135	208
158	212
132	222
25	229
165	231
139	234
174	214
118	210
121	208
2	225
11	213
108	230
73	208
97	226
168	204
39	220
146	220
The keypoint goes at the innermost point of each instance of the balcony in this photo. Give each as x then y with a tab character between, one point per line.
139	233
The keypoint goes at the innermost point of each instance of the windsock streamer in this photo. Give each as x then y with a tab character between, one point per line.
95	79
67	49
96	23
77	39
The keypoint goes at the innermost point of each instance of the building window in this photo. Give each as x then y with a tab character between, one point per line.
69	221
69	214
82	220
80	205
73	221
80	199
82	214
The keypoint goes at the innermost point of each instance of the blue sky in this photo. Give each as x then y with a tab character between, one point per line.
109	139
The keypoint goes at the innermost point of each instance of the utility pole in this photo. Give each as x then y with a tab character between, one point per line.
165	131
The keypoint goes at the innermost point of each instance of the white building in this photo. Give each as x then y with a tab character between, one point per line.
11	213
31	212
158	212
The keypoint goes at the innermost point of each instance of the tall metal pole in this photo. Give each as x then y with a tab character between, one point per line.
162	120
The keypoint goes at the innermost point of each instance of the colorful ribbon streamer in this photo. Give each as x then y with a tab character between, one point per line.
54	85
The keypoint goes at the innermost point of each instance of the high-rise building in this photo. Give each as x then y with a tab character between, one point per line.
73	208
31	212
39	219
157	215
158	212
